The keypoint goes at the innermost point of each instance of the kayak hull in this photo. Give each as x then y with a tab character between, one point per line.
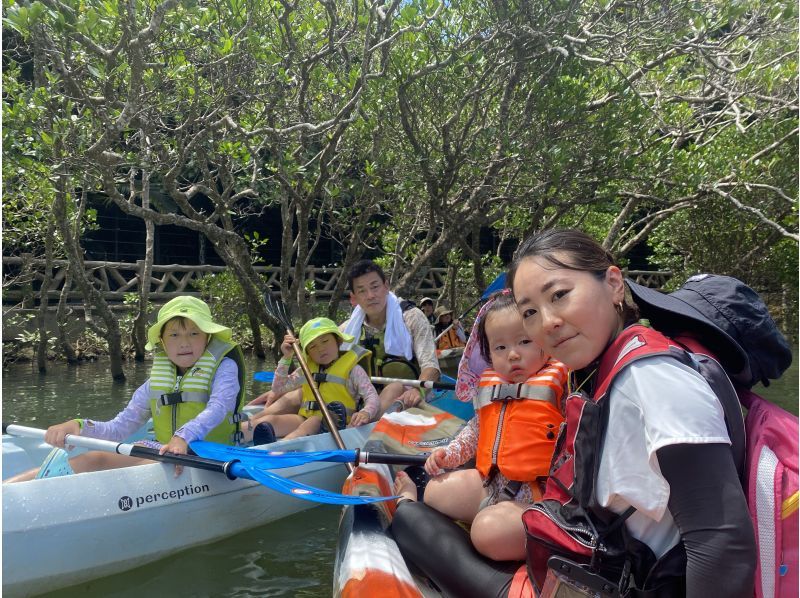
66	530
367	556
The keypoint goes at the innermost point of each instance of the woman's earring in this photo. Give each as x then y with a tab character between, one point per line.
620	309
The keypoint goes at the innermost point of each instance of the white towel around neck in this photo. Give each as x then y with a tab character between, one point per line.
397	339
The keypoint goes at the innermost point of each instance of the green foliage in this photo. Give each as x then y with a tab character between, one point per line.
225	297
670	121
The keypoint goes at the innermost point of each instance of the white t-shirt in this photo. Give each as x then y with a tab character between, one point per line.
653	403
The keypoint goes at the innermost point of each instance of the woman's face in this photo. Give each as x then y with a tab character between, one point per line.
571	314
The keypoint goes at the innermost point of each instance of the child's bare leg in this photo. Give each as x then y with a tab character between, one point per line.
457	494
89	461
283	425
306	428
404	487
287	404
497	531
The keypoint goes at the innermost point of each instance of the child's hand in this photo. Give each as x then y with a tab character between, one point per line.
359	419
265	398
286	345
177	446
435	464
55	434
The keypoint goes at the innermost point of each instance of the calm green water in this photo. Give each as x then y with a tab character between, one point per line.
291	557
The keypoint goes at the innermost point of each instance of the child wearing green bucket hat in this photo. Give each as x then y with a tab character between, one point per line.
343	384
195	391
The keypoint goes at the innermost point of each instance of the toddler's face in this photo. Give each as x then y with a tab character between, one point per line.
324	349
514	355
183	342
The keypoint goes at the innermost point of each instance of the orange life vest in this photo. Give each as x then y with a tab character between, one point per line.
519	423
449	340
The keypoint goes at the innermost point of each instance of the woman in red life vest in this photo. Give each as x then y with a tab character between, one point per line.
665	468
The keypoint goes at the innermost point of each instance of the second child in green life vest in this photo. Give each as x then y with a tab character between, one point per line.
339	378
195	391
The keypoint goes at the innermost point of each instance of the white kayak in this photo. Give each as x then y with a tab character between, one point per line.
66	530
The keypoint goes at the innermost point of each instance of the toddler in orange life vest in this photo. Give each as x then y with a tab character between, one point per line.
517	398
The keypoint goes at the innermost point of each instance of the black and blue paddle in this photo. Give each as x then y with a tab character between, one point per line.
250	464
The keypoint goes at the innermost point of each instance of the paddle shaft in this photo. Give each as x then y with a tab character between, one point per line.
415	383
332	427
268	377
364	457
132	450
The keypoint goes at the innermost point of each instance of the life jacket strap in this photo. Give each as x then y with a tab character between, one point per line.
238	417
171	398
509	491
320	377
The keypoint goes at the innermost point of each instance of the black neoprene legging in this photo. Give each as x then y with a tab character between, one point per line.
443	552
706	502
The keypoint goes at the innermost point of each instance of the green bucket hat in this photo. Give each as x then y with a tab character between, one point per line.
316	328
186	307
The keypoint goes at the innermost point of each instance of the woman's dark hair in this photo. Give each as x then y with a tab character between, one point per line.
573	250
500	300
362	267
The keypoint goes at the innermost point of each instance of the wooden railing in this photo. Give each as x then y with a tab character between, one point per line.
22	279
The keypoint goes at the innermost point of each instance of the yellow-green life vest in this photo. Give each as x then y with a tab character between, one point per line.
332	383
384	364
174	404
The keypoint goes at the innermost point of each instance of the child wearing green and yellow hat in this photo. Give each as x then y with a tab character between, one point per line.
195	391
343	384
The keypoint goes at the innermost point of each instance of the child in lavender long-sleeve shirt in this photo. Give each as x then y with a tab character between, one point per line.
195	386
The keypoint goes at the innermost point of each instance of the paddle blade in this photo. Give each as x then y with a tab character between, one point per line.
267	377
303	491
268	459
448	379
498	284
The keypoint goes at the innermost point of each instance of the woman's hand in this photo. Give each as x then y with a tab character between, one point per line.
286	345
55	434
359	418
436	463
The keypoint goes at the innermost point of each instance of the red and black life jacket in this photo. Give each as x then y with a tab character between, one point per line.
569	522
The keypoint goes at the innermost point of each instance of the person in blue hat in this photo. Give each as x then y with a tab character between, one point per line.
195	391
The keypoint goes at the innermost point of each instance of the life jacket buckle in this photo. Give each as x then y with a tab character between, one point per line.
509	491
237	418
311	405
171	398
237	438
